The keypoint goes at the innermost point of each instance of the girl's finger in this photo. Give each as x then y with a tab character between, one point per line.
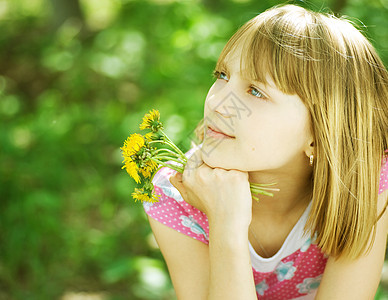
176	178
176	181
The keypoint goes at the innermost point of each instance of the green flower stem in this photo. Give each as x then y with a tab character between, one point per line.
264	189
262	193
174	167
180	154
171	144
169	151
263	184
164	157
154	172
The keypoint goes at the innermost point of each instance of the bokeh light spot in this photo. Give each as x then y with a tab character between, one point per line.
9	105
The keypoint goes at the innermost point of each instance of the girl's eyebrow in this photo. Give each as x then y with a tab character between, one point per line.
253	80
258	81
223	66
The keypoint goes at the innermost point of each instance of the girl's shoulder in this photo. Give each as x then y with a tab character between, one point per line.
173	211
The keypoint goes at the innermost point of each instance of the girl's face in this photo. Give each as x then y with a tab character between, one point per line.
266	129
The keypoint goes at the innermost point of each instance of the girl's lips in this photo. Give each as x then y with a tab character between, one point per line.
216	134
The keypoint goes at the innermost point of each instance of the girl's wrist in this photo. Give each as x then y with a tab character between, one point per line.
233	233
234	220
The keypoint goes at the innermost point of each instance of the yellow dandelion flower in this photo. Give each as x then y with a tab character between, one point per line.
154	136
151	121
133	170
144	196
146	173
149	136
148	169
139	195
133	144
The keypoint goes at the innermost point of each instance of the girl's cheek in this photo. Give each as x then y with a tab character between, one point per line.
212	91
215	88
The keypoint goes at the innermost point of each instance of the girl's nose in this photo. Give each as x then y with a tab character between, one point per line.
225	102
221	101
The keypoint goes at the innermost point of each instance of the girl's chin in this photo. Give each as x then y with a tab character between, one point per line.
215	156
210	161
215	162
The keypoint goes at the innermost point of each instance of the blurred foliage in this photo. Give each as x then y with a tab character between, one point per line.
76	76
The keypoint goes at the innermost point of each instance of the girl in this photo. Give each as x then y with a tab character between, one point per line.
300	100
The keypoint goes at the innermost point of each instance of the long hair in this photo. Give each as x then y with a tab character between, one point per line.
338	75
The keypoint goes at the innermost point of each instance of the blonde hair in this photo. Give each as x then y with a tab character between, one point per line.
336	72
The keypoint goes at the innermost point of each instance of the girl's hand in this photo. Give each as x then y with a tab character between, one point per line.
223	195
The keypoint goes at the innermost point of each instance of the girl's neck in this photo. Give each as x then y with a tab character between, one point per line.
295	192
282	205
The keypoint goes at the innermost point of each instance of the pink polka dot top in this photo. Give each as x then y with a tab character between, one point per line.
294	272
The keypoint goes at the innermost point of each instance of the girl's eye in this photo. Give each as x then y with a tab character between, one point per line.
255	92
220	75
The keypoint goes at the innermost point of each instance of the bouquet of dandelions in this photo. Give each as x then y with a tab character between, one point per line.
142	159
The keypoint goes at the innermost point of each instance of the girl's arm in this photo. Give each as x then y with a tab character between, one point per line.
221	270
187	261
357	279
231	275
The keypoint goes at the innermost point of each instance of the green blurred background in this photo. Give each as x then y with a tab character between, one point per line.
76	76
